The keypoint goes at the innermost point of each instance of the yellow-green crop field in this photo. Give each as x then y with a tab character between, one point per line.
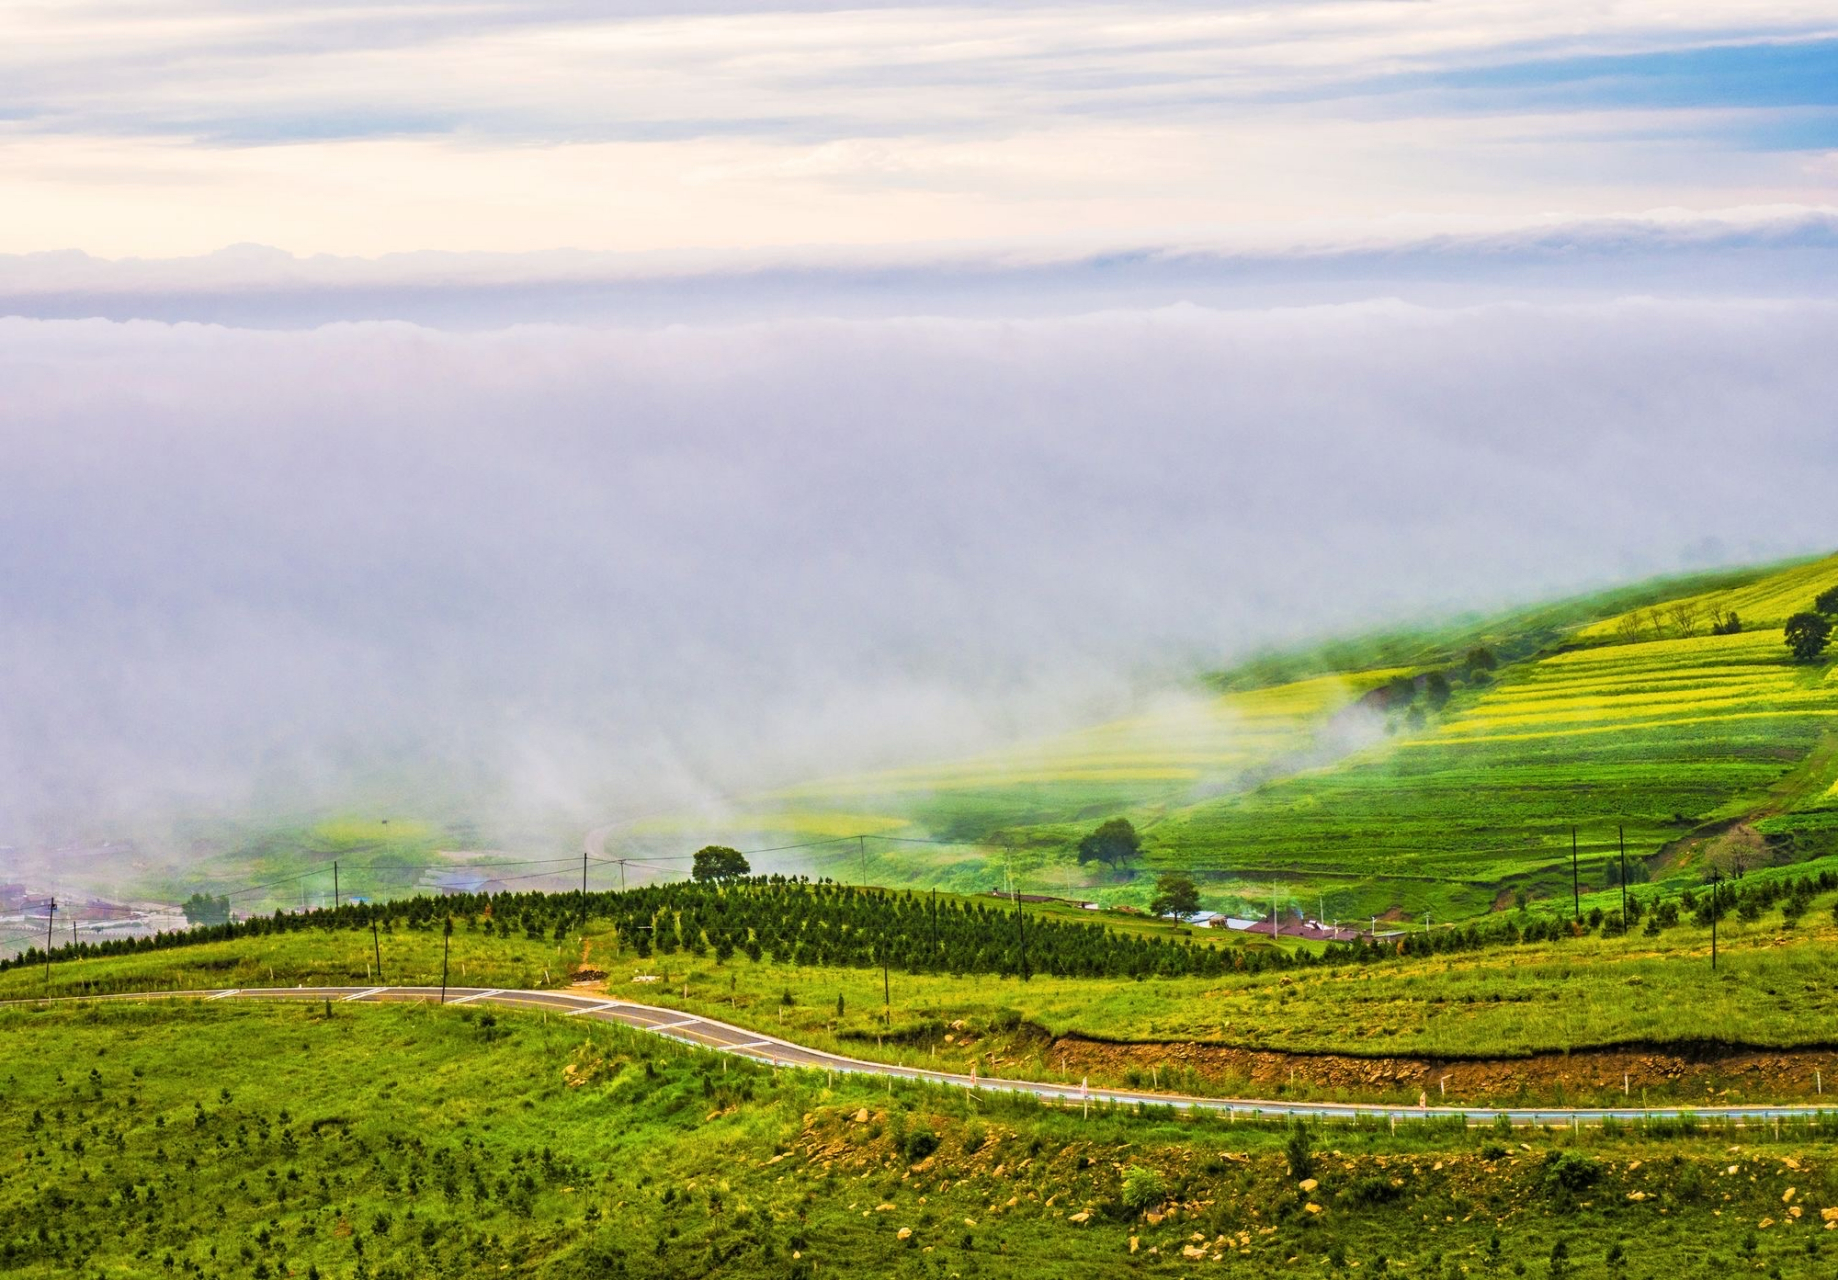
1763	604
1164	756
1356	806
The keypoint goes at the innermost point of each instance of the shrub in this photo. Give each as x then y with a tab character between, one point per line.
1375	1189
1143	1188
1568	1173
1298	1150
918	1143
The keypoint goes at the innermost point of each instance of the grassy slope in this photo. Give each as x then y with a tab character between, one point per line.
393	1143
1266	783
1771	990
1658	737
1763	603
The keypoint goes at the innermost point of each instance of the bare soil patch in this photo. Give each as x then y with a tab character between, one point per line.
1707	1075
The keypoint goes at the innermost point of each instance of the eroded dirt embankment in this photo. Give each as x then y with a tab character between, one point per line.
1706	1074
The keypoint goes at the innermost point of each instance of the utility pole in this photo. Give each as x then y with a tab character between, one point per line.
1021	930
1715	878
622	875
1621	835
934	925
334	884
50	915
583	889
1576	888
376	945
886	992
446	945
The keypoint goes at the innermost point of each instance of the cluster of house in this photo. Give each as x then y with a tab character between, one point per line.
17	900
1294	925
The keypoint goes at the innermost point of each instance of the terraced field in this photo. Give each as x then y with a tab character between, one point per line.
1354	794
1765	603
1657	738
1183	749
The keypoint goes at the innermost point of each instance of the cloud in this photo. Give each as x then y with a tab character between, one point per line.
521	127
575	573
1769	252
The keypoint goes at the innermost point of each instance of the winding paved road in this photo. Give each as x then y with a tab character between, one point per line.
707	1033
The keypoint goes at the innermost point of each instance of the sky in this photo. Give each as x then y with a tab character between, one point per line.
587	410
152	129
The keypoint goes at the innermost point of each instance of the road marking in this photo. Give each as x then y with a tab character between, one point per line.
222	994
593	1008
359	995
477	995
671	1026
751	1044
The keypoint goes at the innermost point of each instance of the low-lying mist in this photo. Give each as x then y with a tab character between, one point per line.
549	577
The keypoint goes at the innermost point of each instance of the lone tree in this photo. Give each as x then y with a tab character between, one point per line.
1114	844
202	908
1175	895
718	862
1807	634
1826	602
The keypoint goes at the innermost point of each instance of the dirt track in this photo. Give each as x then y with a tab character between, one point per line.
1594	1076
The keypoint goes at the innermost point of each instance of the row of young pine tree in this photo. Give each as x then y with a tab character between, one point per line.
802	922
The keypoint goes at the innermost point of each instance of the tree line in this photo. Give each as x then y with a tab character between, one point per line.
800	922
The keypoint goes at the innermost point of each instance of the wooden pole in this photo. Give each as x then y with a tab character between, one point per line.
446	946
50	915
1576	888
1715	877
1621	835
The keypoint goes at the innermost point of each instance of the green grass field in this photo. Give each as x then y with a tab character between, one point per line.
1617	713
1505	1002
391	1143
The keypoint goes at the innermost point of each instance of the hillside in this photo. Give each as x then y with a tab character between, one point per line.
1412	777
391	1142
1532	1007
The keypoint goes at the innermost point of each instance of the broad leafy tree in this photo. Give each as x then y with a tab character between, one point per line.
718	862
202	908
1175	895
1114	843
1807	635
